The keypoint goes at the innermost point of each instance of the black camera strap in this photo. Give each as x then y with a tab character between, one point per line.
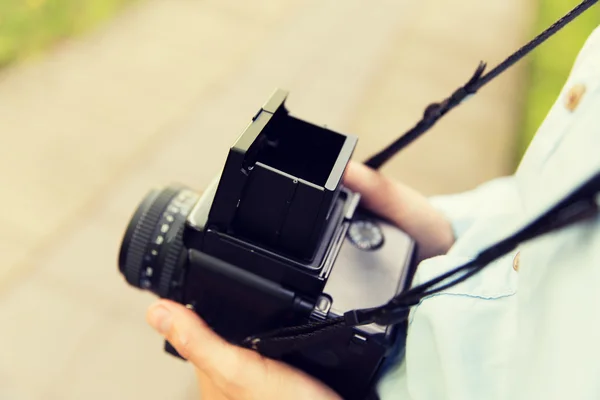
436	111
580	205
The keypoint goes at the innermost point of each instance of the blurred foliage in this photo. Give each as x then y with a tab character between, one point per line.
29	26
550	64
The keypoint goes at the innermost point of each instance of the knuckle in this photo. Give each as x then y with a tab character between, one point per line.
181	343
185	349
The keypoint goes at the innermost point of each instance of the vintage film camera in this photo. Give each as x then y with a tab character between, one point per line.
276	241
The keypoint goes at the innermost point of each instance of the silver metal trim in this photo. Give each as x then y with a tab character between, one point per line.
199	214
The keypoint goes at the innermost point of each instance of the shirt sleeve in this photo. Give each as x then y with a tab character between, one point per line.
463	209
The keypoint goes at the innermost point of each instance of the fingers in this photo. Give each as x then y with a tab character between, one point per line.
191	337
403	206
221	367
225	371
380	194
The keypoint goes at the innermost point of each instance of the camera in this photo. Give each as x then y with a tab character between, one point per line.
276	240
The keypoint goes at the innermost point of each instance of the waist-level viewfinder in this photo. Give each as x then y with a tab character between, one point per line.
280	181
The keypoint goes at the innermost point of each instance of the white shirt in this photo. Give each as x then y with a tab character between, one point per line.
527	334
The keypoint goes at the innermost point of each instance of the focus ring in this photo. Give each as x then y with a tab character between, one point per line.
137	244
142	235
170	263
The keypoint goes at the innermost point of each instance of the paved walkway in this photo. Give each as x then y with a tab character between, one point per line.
158	96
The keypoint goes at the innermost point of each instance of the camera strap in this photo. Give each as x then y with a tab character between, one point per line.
436	111
581	205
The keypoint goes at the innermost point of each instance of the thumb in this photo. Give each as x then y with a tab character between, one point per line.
191	337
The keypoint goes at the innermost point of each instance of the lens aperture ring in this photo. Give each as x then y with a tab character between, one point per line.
142	234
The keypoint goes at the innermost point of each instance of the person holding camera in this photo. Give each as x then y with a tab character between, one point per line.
523	328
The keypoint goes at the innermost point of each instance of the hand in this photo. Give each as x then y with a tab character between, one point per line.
403	206
226	371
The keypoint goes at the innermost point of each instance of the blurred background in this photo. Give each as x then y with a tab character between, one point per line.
102	99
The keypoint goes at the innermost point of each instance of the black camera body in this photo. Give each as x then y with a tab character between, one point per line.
277	241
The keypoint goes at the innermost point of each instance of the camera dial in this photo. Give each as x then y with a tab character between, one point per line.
365	234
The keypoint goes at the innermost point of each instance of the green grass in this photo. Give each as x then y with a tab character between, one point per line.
550	64
28	27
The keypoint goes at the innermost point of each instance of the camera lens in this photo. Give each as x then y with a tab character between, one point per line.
152	247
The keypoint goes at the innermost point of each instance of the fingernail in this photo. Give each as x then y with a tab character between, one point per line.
160	319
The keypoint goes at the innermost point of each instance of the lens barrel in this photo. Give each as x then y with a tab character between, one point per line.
152	247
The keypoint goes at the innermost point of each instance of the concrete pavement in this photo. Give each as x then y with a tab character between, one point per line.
158	96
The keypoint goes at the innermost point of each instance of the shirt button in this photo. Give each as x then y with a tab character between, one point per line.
574	96
516	261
